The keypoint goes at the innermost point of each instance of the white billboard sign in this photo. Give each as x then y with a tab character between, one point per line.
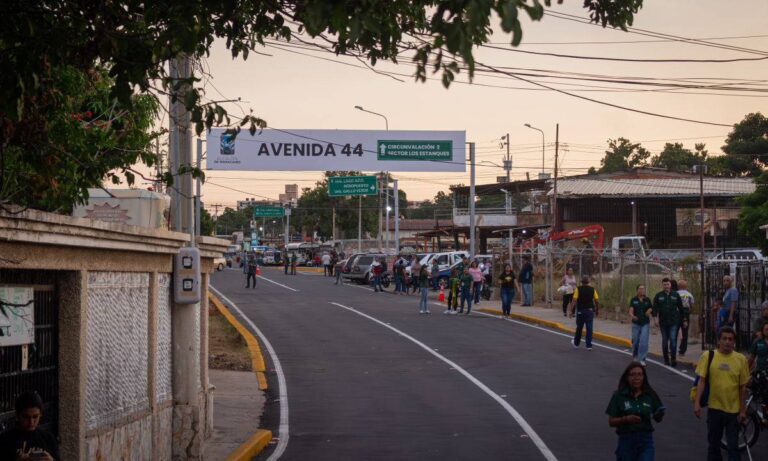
337	150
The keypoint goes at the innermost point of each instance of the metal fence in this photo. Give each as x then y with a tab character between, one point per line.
33	367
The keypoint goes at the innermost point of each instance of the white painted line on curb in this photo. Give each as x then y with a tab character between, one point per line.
283	429
548	455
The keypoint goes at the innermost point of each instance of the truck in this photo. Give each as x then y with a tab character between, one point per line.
631	247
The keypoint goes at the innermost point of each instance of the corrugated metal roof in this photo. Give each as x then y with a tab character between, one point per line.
726	187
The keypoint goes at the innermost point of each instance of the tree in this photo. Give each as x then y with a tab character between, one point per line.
207	226
754	213
135	41
746	146
675	157
623	155
234	220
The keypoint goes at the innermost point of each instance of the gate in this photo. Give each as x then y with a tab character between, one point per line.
751	279
37	367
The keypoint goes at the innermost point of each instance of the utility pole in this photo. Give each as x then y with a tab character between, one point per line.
554	194
333	223
379	235
508	162
359	223
397	219
471	200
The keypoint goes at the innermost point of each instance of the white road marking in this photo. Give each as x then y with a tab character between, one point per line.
276	283
548	455
283	429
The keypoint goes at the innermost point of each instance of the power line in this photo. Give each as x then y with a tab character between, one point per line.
622	42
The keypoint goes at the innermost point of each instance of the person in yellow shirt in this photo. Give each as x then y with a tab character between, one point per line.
727	375
585	300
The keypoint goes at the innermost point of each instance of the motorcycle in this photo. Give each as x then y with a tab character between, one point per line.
757	414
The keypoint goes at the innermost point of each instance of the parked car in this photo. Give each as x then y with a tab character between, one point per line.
742	254
634	269
444	260
219	263
360	269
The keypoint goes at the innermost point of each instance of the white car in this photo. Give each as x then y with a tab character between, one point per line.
219	263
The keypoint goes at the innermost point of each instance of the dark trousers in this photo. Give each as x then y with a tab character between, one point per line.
507	295
584	317
683	339
466	295
637	446
293	269
476	288
286	269
669	341
326	269
566	301
717	421
248	280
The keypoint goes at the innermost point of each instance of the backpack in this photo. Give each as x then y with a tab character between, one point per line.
705	394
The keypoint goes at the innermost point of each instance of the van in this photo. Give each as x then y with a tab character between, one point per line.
444	260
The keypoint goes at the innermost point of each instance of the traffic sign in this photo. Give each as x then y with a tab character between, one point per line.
415	150
268	212
340	186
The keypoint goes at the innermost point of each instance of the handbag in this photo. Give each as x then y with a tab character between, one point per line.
705	394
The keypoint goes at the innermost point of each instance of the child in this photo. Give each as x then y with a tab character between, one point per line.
453	293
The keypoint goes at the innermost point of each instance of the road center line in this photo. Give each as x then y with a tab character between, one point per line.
277	283
283	429
534	437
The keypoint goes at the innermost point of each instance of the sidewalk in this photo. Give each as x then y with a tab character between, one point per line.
237	408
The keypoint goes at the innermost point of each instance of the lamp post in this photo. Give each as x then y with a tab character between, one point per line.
528	125
508	161
386	125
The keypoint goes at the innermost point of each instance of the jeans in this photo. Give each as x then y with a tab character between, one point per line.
527	294
683	339
584	317
669	341
399	285
326	269
477	287
423	300
435	280
507	295
566	301
640	341
248	280
637	446
717	421
377	283
466	295
338	278
286	269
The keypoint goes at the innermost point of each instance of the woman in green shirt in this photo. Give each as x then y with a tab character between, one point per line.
630	411
640	308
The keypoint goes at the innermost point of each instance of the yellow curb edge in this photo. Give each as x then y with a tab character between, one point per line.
559	326
252	447
257	360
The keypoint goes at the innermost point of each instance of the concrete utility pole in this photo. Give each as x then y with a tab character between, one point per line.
471	200
359	223
397	218
508	162
186	317
554	193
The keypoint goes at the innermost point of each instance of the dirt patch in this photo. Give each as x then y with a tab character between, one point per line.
227	350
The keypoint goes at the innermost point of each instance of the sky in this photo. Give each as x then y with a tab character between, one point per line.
316	90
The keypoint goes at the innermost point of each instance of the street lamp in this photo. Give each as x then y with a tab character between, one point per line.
386	125
386	122
528	125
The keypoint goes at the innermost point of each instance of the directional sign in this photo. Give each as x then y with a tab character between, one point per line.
352	185
268	212
415	150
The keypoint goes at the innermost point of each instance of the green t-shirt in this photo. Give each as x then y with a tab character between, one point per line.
668	307
759	350
645	406
466	282
641	307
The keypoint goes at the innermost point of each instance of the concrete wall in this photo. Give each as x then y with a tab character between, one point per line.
116	399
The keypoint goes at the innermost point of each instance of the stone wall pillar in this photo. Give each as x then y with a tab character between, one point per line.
188	432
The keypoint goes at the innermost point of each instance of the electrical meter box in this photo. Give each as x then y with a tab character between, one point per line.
186	276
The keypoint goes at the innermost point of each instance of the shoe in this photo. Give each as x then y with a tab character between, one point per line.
573	343
421	312
589	348
452	313
427	312
642	362
446	312
673	364
666	362
461	311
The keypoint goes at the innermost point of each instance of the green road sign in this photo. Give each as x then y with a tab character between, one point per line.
415	150
340	186
268	212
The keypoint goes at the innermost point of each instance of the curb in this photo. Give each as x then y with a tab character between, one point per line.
559	326
259	440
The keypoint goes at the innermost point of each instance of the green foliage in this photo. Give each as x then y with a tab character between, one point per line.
207	226
77	137
754	213
232	220
623	155
746	146
675	157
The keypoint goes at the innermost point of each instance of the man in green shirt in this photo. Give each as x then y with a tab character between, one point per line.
667	310
465	284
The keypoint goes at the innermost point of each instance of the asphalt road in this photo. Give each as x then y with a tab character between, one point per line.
368	378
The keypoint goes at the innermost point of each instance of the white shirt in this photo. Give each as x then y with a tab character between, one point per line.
326	259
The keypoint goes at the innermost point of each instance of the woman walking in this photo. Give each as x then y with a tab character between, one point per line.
424	288
477	281
568	286
508	283
640	308
630	411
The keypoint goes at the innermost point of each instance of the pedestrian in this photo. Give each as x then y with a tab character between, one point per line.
758	363
434	273
508	283
757	326
730	299
585	301
251	271
526	281
640	311
424	289
465	286
338	270
630	411
326	261
667	312
376	271
286	263
477	281
686	297
399	272
415	269
294	262
727	373
334	260
567	287
27	441
453	292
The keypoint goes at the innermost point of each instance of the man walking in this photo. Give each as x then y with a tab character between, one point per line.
251	272
399	272
465	284
667	308
685	315
526	281
326	260
730	299
376	271
337	270
434	274
294	262
727	372
585	299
